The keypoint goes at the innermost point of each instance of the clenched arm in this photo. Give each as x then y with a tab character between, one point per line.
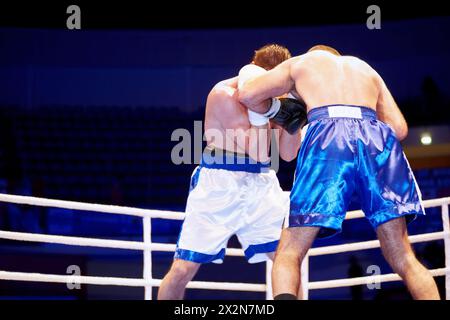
256	92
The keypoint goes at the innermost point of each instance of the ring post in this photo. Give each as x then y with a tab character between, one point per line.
269	265
305	278
446	225
147	272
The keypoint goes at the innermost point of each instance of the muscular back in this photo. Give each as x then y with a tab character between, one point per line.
322	78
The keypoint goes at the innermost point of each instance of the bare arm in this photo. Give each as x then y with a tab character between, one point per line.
288	144
259	143
256	92
388	110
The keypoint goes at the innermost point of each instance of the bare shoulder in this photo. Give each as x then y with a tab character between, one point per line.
221	92
316	55
311	59
363	67
297	63
223	103
359	63
221	99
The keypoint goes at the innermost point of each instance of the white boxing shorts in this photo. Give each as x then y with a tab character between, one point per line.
232	198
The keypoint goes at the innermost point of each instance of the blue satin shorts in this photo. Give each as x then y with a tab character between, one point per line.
346	149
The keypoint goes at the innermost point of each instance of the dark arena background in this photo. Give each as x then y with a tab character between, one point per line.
87	115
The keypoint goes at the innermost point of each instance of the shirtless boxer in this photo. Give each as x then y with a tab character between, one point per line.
231	193
351	144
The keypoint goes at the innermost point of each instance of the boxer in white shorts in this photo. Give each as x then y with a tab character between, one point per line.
233	191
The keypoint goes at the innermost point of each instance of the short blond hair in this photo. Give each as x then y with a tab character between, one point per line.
325	48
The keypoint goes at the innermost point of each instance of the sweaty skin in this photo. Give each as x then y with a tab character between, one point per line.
321	78
227	126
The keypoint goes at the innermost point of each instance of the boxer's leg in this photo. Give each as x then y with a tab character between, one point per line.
323	185
397	250
175	281
390	197
203	237
294	244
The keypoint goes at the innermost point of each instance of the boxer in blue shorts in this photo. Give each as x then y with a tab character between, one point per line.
351	144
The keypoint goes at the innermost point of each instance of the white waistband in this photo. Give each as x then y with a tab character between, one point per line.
344	112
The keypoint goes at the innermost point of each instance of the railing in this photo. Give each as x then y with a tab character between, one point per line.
147	246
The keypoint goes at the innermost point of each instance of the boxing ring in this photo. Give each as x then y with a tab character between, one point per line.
147	247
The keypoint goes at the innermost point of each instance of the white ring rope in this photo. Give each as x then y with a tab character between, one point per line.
128	282
164	247
173	215
233	286
103	208
101	243
156	214
372	244
365	280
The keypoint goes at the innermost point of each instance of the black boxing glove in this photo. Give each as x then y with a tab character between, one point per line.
288	113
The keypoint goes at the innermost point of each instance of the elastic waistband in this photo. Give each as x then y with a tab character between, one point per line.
341	111
221	159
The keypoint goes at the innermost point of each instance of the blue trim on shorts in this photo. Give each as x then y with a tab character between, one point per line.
198	257
221	159
260	248
330	225
194	179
